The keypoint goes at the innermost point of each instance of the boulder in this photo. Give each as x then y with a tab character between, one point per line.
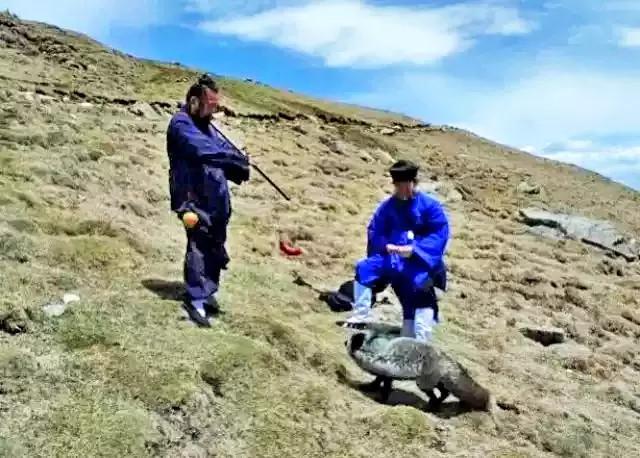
443	191
598	233
543	335
528	188
144	110
335	146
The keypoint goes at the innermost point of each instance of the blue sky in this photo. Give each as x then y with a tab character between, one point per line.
558	78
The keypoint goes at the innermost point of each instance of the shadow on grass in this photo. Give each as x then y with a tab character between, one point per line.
165	289
400	397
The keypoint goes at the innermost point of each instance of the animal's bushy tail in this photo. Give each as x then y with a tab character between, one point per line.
465	388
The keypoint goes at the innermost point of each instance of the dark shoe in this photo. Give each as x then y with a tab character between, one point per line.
195	316
211	306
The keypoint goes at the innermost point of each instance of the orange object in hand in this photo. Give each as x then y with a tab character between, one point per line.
190	219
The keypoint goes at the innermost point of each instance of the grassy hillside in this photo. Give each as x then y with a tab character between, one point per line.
84	209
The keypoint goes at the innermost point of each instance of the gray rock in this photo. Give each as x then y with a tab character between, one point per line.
69	298
144	110
528	188
544	335
387	131
335	146
54	310
568	351
598	233
57	309
546	232
443	191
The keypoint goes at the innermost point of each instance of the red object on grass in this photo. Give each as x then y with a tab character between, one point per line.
289	250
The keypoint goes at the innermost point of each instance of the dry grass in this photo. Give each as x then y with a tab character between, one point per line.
84	209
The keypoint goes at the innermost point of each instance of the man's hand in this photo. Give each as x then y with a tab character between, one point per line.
405	250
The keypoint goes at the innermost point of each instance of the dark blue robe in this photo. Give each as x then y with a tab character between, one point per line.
200	163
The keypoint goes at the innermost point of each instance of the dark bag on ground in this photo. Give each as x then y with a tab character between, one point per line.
342	299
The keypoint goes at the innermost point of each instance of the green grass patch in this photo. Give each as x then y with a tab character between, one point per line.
17	368
91	424
82	328
28	199
61	224
16	247
568	438
283	337
239	366
10	448
400	425
157	379
90	252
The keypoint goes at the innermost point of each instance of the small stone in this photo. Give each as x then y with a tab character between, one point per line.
298	128
54	310
143	110
387	131
69	298
543	335
528	188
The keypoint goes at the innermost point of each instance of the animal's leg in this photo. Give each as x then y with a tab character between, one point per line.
387	384
373	386
427	382
436	401
444	393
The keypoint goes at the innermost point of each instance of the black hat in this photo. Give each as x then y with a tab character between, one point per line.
404	171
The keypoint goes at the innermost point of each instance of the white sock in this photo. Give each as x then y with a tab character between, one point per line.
408	328
199	306
362	302
424	324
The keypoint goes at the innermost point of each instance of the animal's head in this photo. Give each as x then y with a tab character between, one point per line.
355	341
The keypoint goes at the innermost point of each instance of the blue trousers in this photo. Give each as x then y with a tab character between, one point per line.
205	257
401	274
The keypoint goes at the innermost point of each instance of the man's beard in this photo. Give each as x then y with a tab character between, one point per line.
202	120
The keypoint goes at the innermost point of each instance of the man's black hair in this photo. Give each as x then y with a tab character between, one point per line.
404	170
204	81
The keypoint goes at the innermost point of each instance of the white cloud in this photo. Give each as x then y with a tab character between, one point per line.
93	17
552	105
235	7
549	110
354	33
618	162
629	37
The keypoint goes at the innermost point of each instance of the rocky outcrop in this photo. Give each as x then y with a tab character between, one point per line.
598	233
444	191
543	335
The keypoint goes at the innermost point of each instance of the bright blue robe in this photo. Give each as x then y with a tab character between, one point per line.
413	279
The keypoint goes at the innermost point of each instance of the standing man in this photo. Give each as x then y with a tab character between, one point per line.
200	163
407	239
